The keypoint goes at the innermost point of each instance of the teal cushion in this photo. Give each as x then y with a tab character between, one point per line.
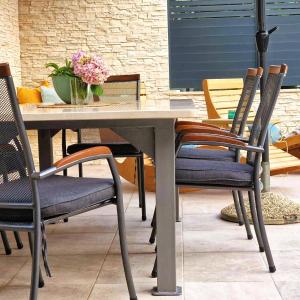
50	96
274	131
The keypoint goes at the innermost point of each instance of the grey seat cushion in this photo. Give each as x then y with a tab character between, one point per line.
212	172
198	153
58	195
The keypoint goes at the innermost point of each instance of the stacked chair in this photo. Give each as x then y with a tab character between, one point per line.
231	175
117	89
221	96
29	200
251	82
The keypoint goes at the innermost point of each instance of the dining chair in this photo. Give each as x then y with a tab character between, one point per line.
229	175
29	200
250	86
117	89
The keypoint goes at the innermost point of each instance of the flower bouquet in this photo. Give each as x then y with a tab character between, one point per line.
85	75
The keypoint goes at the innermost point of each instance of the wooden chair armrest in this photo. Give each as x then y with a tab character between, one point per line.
192	137
203	130
94	151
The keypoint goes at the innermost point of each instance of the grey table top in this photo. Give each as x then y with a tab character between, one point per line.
161	109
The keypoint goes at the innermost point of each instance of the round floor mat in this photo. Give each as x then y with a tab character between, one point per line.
277	210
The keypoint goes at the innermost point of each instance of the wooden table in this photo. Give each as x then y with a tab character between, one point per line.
149	126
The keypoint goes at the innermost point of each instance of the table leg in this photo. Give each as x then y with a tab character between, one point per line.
45	148
165	212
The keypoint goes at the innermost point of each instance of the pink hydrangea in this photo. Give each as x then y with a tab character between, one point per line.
91	69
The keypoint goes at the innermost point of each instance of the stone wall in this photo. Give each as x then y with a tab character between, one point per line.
132	36
9	37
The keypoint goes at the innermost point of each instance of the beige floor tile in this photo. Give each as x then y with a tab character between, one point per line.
284	237
79	244
225	267
91	224
289	290
150	200
10	266
231	291
287	266
138	242
218	261
218	241
119	292
197	204
207	222
49	292
112	270
72	269
141	264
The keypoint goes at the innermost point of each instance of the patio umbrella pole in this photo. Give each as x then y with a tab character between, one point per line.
277	209
262	42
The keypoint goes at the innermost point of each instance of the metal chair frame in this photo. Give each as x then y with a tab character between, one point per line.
34	227
255	149
139	156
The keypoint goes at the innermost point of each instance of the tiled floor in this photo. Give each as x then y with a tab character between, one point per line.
215	260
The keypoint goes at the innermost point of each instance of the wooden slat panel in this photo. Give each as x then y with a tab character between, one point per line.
225	84
229	92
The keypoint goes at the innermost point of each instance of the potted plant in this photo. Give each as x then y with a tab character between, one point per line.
80	78
61	79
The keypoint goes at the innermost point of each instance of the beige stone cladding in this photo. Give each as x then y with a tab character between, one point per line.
132	36
9	37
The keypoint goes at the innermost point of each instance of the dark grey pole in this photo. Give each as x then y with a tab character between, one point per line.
262	42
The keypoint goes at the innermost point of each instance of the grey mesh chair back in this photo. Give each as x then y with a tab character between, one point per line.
269	97
15	154
248	93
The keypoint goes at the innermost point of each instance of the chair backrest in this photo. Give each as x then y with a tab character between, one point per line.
266	107
223	95
15	155
118	88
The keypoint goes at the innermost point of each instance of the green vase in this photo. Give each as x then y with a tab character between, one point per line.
62	87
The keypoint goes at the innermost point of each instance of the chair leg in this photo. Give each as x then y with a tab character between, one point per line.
36	275
5	243
255	222
177	205
153	217
154	270
124	250
260	217
41	282
18	240
245	217
153	232
237	208
141	185
64	147
80	170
